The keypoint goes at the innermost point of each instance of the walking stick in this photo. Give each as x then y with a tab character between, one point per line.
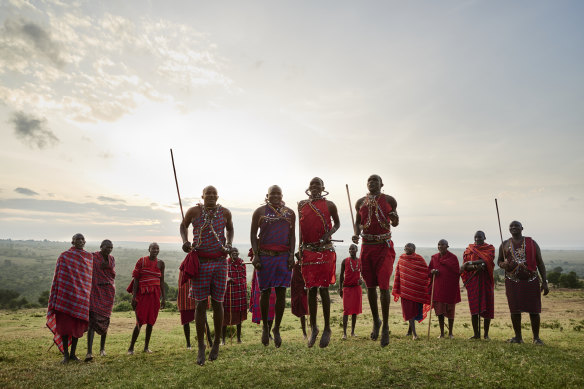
351	209
500	231
480	284
431	304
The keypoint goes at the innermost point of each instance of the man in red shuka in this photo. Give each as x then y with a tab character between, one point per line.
521	258
68	310
148	295
411	284
376	214
350	289
477	274
446	270
103	292
318	254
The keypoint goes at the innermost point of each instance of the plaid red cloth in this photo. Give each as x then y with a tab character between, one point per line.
71	289
411	281
236	292
211	281
446	289
483	281
103	289
183	300
254	301
298	293
148	274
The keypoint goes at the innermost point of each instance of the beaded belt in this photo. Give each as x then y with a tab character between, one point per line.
376	238
315	247
272	253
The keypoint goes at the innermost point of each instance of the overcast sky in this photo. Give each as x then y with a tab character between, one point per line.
453	103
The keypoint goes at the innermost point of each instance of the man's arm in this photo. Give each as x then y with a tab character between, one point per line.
342	277
162	291
501	259
228	228
184	228
541	269
332	208
253	237
292	240
393	216
357	227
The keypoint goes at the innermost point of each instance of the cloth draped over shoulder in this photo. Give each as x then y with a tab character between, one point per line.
103	289
411	281
315	220
236	292
480	284
148	274
71	289
446	288
375	215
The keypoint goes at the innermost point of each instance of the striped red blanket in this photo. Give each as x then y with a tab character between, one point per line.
148	275
71	289
411	281
103	289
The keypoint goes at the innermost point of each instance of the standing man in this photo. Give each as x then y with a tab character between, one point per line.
68	310
521	258
318	254
148	295
350	289
273	256
103	292
411	284
477	274
211	245
446	270
376	214
235	307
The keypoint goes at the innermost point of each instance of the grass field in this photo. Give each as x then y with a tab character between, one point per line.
356	362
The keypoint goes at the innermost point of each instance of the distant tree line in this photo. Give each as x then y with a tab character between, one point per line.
10	299
564	280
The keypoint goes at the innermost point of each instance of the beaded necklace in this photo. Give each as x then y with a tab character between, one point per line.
351	264
519	253
209	215
281	213
374	208
316	210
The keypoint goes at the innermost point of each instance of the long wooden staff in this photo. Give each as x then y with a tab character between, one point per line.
351	209
480	297
500	230
431	304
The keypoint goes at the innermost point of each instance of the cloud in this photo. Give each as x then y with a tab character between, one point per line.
33	131
26	191
36	35
106	199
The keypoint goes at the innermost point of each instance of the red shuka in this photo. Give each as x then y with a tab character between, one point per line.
446	287
352	291
103	289
148	297
411	281
480	281
298	294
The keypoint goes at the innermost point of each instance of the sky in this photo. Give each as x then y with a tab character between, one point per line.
452	103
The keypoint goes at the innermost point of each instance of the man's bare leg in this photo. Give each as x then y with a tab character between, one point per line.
312	309
372	297
487	323
303	325
385	300
147	340
102	345
200	321
441	323
65	340
265	309
535	322
270	325
72	356
135	334
223	333
450	328
326	313
413	329
475	327
217	324
209	335
345	321
90	335
353	323
516	321
280	306
187	331
238	333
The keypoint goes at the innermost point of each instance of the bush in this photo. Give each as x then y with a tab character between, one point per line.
170	307
124	306
44	298
570	280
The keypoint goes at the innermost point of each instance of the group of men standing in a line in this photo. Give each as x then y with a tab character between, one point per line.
205	272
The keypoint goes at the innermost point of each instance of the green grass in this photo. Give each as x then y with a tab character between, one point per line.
356	362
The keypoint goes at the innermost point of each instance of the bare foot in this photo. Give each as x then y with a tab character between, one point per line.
312	338
74	358
277	338
375	331
344	337
415	337
265	337
538	342
130	352
65	360
239	341
474	337
450	336
148	351
223	343
214	353
353	334
102	353
440	336
384	336
88	358
325	338
201	356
